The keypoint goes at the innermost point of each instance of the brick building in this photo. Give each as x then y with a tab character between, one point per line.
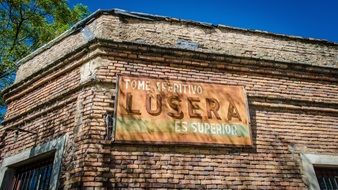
58	129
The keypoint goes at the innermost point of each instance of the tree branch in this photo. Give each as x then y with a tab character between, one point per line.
17	30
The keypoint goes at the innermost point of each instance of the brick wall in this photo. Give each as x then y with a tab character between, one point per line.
280	129
293	109
219	39
174	33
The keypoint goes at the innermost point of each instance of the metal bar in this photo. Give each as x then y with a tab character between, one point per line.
325	185
336	181
16	181
320	181
31	172
28	179
20	181
43	175
33	181
24	181
46	177
26	131
39	180
49	174
330	183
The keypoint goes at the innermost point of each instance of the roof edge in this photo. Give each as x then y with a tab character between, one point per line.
63	35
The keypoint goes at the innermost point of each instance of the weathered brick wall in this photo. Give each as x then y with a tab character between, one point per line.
174	33
293	108
54	103
52	52
223	40
43	93
281	130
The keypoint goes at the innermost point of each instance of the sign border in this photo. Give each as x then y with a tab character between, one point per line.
163	143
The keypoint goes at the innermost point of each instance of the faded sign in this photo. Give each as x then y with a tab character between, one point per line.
164	111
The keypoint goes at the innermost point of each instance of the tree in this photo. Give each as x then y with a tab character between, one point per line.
25	25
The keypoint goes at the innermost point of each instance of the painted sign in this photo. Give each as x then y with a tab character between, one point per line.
164	111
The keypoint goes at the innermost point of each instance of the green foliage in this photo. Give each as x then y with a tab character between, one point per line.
26	25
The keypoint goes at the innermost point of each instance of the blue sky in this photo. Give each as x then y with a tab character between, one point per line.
306	18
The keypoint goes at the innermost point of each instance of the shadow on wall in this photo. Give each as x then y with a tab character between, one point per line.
178	166
268	163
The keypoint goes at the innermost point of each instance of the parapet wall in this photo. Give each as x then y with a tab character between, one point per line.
173	33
